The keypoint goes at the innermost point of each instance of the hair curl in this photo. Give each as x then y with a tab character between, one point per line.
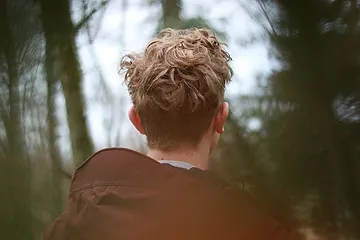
177	84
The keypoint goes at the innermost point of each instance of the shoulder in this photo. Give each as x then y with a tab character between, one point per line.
241	211
56	231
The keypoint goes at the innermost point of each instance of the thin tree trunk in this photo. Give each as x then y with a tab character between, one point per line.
352	166
52	124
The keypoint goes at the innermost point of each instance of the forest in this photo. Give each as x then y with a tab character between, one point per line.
300	161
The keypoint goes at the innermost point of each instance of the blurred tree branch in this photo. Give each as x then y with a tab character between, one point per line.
258	18
88	17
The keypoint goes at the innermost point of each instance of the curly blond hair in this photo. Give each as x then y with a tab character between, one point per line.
177	85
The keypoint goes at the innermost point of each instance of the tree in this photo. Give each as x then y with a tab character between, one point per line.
18	47
171	18
52	77
59	29
171	13
310	128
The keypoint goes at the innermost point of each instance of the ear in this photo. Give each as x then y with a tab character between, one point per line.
135	120
221	117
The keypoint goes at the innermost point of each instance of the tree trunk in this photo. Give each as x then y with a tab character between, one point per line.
16	215
171	13
58	24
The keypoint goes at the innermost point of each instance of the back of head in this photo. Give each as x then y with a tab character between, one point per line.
177	85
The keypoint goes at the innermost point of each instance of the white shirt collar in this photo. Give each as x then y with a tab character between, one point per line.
178	164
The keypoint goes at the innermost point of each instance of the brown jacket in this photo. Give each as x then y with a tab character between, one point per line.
119	194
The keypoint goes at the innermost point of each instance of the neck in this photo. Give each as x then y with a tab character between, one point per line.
197	157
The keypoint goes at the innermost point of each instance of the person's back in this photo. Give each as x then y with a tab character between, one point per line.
177	89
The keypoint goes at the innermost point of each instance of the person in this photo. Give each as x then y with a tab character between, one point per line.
177	89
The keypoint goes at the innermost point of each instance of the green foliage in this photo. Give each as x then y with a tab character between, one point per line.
197	22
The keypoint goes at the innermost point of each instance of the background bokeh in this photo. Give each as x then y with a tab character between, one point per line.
293	137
